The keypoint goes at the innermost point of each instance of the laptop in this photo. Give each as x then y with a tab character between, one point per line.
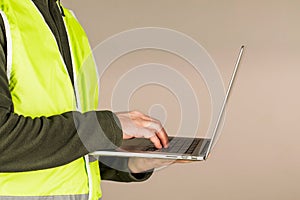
180	148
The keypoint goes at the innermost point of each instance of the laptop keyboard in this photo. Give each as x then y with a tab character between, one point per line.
178	145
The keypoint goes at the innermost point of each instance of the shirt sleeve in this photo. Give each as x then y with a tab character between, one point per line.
28	144
116	169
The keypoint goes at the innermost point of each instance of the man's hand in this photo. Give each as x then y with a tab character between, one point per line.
140	165
137	125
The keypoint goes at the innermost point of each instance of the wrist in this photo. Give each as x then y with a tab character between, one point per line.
137	165
132	166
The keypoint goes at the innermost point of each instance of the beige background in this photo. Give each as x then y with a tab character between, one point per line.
257	156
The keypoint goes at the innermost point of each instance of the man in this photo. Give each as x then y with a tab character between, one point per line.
44	141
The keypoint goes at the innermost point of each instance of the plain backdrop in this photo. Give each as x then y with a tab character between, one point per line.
257	155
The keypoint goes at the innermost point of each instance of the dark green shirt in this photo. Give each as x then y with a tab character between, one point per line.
23	142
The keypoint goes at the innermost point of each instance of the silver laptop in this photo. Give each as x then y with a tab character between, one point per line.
180	148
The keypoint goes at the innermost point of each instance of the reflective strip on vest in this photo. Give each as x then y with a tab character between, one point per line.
63	197
27	52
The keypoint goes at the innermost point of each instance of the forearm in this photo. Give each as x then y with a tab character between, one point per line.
40	143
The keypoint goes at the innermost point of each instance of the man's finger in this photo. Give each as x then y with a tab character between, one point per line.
184	161
160	132
154	139
162	135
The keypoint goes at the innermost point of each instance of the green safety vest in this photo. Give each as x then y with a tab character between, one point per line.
40	86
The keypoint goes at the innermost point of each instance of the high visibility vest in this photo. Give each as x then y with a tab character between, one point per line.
40	86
